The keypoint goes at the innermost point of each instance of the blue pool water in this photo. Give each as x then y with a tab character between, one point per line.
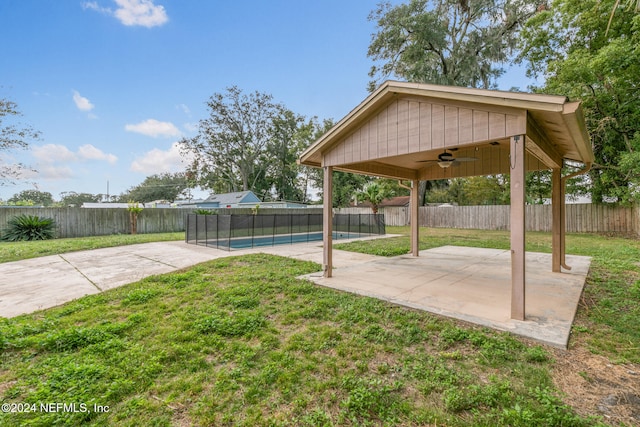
278	239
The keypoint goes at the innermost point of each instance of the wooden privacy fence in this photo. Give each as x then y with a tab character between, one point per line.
580	218
81	222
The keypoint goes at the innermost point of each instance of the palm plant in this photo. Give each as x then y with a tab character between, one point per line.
374	193
29	227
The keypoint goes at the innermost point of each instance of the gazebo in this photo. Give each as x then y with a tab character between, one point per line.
414	132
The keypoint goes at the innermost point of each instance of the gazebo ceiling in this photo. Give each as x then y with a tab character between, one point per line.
400	130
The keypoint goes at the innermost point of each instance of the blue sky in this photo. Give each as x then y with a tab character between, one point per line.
114	84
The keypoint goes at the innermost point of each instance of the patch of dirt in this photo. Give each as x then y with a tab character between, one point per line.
593	385
6	386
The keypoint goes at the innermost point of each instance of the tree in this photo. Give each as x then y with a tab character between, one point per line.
374	193
309	176
631	5
451	42
134	209
68	198
490	190
291	134
39	198
569	44
166	186
13	135
345	186
230	150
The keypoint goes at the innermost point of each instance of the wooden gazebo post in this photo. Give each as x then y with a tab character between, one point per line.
557	229
327	221
517	160
415	218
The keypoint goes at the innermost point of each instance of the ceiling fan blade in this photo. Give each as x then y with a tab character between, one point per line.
466	159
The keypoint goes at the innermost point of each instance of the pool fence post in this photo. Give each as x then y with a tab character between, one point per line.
197	242
253	227
206	232
273	231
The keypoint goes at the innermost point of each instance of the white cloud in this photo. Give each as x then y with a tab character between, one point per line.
191	127
133	12
52	153
160	161
93	5
184	109
82	103
140	12
154	128
51	172
89	152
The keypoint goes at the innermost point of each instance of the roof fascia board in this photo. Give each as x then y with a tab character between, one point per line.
574	119
521	100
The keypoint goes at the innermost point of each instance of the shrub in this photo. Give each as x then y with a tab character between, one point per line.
204	212
29	227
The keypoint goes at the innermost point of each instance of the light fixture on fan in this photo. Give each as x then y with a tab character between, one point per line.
445	159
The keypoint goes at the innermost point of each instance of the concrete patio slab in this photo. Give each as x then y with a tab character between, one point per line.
474	285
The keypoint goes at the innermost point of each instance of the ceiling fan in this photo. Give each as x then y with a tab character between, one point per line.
446	159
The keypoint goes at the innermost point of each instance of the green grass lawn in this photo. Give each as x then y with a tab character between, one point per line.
15	251
241	341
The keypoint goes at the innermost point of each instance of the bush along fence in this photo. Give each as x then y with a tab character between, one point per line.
246	231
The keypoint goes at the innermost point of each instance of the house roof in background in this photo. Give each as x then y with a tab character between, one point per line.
233	198
390	202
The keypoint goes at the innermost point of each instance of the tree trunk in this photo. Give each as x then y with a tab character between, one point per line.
133	221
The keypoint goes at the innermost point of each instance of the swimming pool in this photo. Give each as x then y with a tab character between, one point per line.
278	239
229	232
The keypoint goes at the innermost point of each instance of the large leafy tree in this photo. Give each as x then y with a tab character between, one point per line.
309	177
68	198
41	198
571	46
291	134
346	186
13	135
451	42
231	149
166	186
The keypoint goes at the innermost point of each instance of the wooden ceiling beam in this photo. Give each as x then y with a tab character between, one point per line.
538	145
380	169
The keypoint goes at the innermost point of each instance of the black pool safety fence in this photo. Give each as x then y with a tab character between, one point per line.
246	231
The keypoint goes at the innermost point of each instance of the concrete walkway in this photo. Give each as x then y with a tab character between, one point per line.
469	284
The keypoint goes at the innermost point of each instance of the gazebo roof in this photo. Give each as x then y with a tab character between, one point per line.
399	130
